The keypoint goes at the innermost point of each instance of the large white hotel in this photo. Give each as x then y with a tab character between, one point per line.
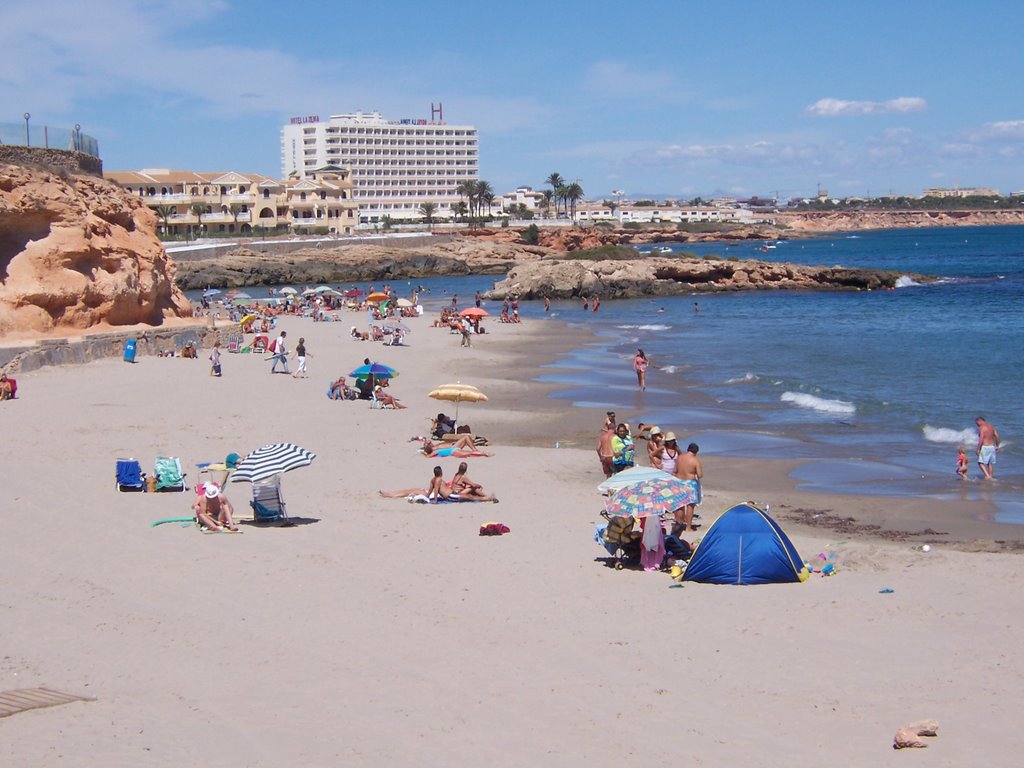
397	165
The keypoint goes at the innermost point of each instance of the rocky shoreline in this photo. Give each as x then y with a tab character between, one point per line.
660	276
530	271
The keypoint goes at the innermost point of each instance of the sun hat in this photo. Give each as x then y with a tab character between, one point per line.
670	436
211	490
655	431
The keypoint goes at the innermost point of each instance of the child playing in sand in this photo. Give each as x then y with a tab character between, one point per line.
961	463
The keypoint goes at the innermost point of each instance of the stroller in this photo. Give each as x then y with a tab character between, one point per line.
619	539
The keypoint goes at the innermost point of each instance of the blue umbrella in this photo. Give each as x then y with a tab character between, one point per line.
374	370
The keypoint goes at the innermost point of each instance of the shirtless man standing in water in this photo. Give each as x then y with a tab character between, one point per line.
988	447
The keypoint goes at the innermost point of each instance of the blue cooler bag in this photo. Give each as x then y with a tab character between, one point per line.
129	351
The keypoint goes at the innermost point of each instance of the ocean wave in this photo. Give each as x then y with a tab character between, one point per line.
746	378
651	327
820	404
905	281
952	436
668	369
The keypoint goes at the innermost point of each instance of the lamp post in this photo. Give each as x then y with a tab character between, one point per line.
27	142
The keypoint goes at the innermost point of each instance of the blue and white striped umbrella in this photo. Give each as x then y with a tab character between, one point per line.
271	460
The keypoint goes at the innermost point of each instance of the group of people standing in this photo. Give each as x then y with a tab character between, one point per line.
617	451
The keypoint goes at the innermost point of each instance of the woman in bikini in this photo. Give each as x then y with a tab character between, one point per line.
463	448
467	489
640	363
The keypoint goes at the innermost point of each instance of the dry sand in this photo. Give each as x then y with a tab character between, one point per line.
380	632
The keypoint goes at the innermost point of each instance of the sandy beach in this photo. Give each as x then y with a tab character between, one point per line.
376	631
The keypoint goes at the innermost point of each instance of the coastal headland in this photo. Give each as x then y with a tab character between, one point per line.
616	273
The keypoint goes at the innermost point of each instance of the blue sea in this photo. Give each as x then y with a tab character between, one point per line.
875	390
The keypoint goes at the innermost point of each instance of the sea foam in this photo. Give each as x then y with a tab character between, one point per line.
668	369
906	281
952	436
652	327
746	378
820	404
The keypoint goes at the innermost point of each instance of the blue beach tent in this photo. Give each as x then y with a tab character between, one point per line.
745	546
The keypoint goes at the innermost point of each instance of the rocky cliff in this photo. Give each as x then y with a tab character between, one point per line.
564	279
78	252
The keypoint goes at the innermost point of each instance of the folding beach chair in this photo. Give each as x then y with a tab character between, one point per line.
129	477
267	503
169	476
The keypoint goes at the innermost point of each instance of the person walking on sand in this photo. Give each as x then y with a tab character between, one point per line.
300	359
215	359
280	353
640	363
988	447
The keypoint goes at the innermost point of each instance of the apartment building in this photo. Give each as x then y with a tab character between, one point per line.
396	165
665	214
193	203
961	192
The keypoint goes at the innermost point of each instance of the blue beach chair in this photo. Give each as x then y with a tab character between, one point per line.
129	477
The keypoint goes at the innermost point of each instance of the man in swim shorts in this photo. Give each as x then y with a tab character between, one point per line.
689	470
988	447
604	445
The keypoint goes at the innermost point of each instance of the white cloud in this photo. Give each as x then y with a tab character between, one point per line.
1002	130
616	80
842	108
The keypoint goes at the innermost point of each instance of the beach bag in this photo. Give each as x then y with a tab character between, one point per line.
273	346
620	531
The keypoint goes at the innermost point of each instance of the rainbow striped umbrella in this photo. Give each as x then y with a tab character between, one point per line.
651	497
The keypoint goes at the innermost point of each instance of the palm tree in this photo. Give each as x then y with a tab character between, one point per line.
546	199
612	206
165	212
235	208
467	189
484	194
460	210
427	211
556	181
560	197
198	211
573	194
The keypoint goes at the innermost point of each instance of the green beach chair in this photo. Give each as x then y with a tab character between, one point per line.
169	476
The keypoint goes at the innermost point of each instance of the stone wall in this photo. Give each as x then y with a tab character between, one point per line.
73	162
85	349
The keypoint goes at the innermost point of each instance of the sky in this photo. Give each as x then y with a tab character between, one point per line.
669	99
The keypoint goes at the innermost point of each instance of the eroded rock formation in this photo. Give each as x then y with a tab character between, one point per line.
77	252
676	276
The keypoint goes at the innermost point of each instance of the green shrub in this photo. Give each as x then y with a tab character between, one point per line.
531	235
